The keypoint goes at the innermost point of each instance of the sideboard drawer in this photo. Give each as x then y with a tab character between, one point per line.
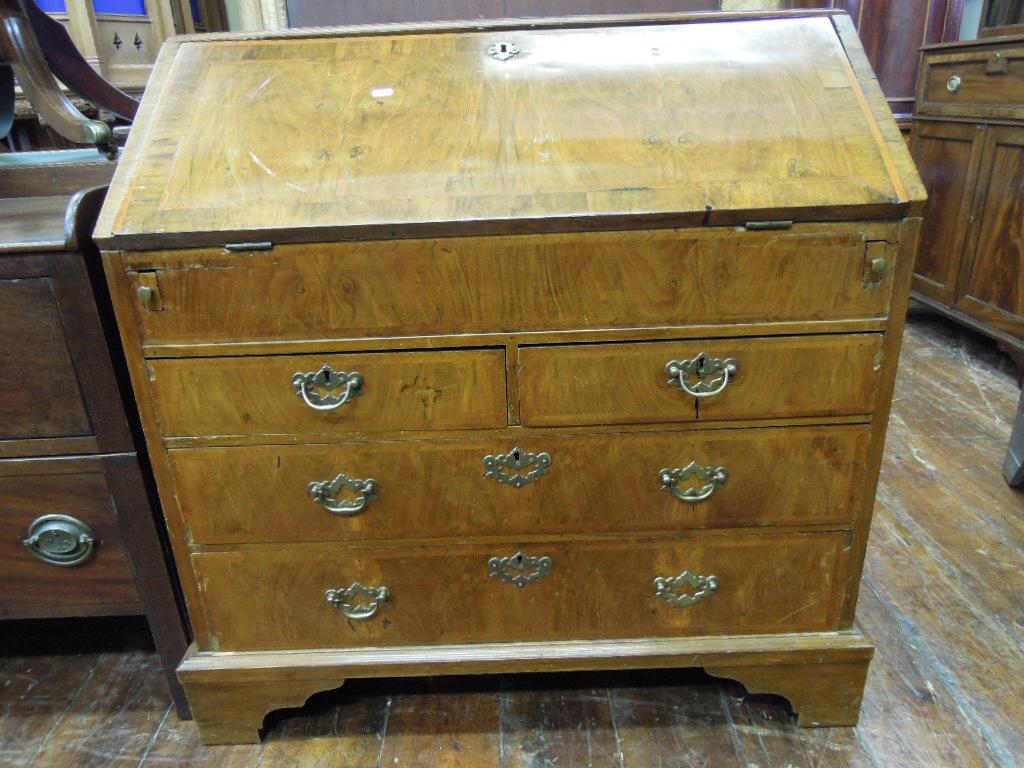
276	597
964	82
438	489
747	378
78	576
284	395
502	284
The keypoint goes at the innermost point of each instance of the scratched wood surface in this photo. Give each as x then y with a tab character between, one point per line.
786	126
941	599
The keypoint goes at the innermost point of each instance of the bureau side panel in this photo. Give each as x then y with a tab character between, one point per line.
902	275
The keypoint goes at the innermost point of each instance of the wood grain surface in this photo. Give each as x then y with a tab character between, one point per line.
936	695
28	491
36	350
597	483
628	383
402	390
464	285
691	141
270	598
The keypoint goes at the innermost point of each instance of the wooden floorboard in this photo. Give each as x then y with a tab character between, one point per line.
942	598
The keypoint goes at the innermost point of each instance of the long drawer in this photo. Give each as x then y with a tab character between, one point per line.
986	81
512	284
278	597
699	379
330	394
581	483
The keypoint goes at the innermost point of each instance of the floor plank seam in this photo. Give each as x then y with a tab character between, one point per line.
916	640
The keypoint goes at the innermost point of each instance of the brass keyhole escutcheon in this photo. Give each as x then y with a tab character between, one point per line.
503	50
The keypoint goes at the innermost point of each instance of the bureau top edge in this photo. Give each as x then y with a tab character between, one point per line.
265	239
587	126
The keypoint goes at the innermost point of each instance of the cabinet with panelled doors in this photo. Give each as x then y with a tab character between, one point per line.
968	142
517	356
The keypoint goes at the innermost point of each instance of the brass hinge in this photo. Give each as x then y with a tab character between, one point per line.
262	245
757	225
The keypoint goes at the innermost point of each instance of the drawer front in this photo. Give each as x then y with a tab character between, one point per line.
31	585
276	597
978	80
751	378
594	484
483	285
393	391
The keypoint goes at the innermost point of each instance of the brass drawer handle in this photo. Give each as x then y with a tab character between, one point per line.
60	540
516	459
713	374
954	83
327	379
359	602
712	480
326	494
685	589
519	569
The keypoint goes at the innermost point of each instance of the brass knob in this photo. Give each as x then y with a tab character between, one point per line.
878	266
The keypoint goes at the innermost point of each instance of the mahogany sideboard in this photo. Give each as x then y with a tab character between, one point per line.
518	346
79	530
968	142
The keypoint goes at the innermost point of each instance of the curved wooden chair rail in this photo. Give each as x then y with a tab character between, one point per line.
20	47
72	69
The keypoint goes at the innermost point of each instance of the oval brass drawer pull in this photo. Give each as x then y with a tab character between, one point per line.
685	589
326	494
712	374
316	388
516	459
60	540
712	480
519	569
358	601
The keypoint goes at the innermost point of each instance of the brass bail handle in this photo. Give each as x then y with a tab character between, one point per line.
714	374
325	493
713	479
328	379
358	601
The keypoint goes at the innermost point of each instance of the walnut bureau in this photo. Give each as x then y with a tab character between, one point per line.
532	345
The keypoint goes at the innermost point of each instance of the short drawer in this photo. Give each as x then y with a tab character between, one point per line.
966	82
591	484
330	394
700	379
512	284
31	503
277	597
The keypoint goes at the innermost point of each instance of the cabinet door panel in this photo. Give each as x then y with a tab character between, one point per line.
39	392
992	288
947	156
